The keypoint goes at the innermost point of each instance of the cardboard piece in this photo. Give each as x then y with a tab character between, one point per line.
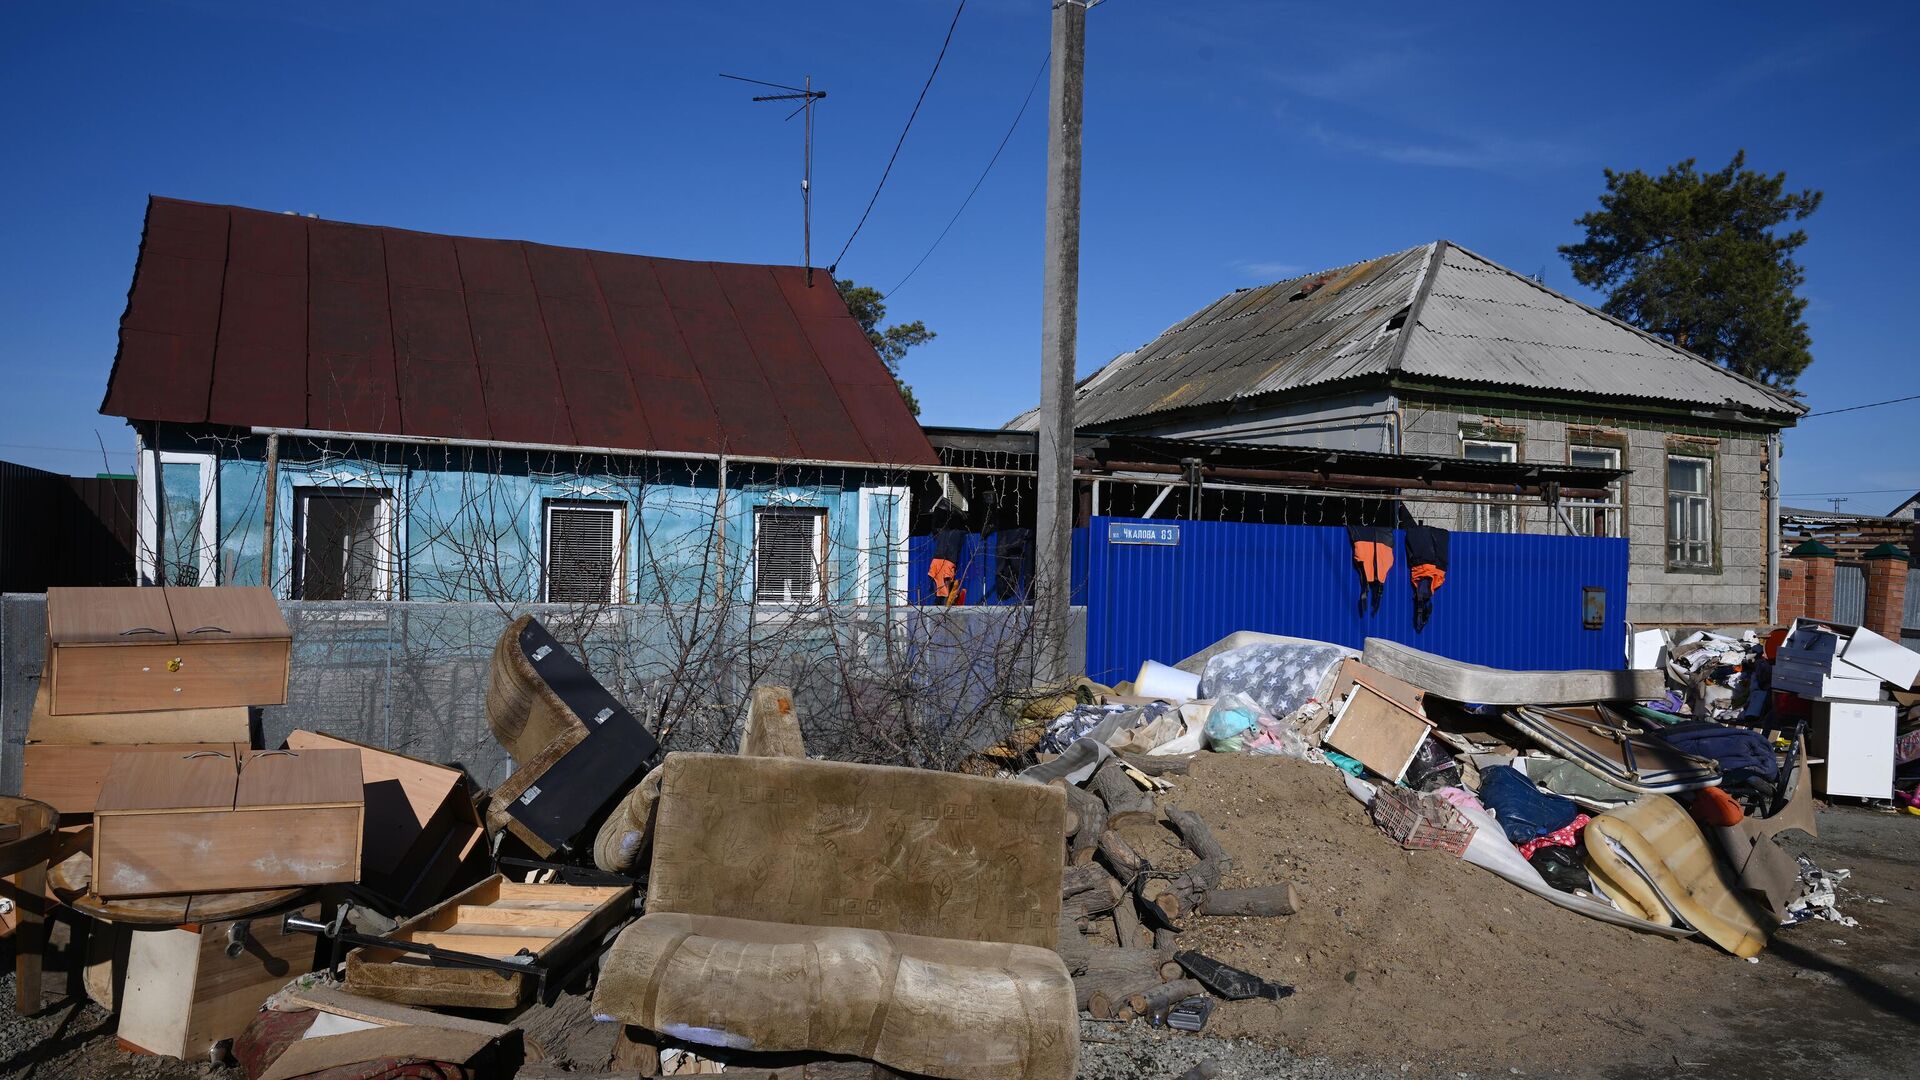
183	993
420	829
119	650
1377	731
206	822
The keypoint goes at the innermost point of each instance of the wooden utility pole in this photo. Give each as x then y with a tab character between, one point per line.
1059	312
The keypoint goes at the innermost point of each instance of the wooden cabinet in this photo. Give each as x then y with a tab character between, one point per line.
208	822
142	649
184	991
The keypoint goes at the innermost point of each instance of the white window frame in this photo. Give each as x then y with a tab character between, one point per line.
617	585
1583	511
892	547
1481	515
1707	543
152	465
384	499
819	515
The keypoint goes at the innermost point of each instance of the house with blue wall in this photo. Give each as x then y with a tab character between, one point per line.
350	412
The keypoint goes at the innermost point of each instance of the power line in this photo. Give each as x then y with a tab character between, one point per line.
1857	408
1004	139
1868	491
835	265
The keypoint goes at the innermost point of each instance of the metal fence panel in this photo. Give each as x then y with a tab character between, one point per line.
900	684
1509	600
1850	593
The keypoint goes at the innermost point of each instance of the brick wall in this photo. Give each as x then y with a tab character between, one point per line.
1733	591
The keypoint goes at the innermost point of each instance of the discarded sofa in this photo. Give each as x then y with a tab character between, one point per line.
898	915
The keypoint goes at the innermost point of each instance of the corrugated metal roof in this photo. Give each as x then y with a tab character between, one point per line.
253	319
1476	322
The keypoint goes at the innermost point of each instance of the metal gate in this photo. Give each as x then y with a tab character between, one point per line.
1162	590
1850	593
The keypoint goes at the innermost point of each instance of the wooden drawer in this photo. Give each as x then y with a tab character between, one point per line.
140	678
223	725
277	819
137	650
183	993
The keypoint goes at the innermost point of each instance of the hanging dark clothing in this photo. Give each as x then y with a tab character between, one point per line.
1372	558
1426	568
1012	563
944	569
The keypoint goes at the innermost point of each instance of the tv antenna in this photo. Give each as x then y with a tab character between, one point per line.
1836	503
806	95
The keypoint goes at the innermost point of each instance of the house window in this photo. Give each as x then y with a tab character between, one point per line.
1497	515
345	547
584	545
1596	517
789	550
1689	511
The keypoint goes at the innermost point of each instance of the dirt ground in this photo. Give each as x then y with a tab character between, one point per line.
1411	964
1418	959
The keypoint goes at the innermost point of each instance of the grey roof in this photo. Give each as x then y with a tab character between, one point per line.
1437	311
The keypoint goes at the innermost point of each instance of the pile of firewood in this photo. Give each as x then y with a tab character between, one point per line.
1107	879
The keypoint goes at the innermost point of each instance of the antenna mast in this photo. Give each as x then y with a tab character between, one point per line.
806	95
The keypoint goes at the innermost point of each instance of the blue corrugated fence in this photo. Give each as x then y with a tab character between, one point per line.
1510	600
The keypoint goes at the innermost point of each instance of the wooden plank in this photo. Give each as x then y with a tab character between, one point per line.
299	778
78	616
70	776
228	613
593	894
387	1013
471	915
203	778
1375	731
478	944
228	725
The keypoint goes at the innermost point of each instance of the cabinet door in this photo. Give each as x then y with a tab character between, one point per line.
224	614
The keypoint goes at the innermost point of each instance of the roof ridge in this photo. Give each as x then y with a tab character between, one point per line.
1421	290
1789	405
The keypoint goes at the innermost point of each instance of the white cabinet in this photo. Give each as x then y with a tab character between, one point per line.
1858	741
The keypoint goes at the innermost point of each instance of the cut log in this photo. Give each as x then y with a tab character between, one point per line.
1097	900
1162	901
1123	798
1120	858
1133	962
1103	995
1155	1000
1198	837
1164	939
1266	900
1092	814
1078	879
1159	766
1126	923
1074	948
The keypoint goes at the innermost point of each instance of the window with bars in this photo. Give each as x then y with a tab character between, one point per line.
1496	515
789	549
1689	511
1596	517
345	550
584	543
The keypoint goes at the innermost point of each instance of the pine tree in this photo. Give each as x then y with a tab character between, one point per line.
1695	258
868	306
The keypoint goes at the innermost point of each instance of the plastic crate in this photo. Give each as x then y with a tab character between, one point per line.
1421	821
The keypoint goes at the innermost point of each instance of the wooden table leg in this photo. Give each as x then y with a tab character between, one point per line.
30	939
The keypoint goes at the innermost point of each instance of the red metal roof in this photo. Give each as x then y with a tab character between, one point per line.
254	319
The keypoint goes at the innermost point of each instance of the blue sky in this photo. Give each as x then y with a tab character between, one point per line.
1227	144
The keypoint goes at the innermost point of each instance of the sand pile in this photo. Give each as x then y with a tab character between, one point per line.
1415	952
